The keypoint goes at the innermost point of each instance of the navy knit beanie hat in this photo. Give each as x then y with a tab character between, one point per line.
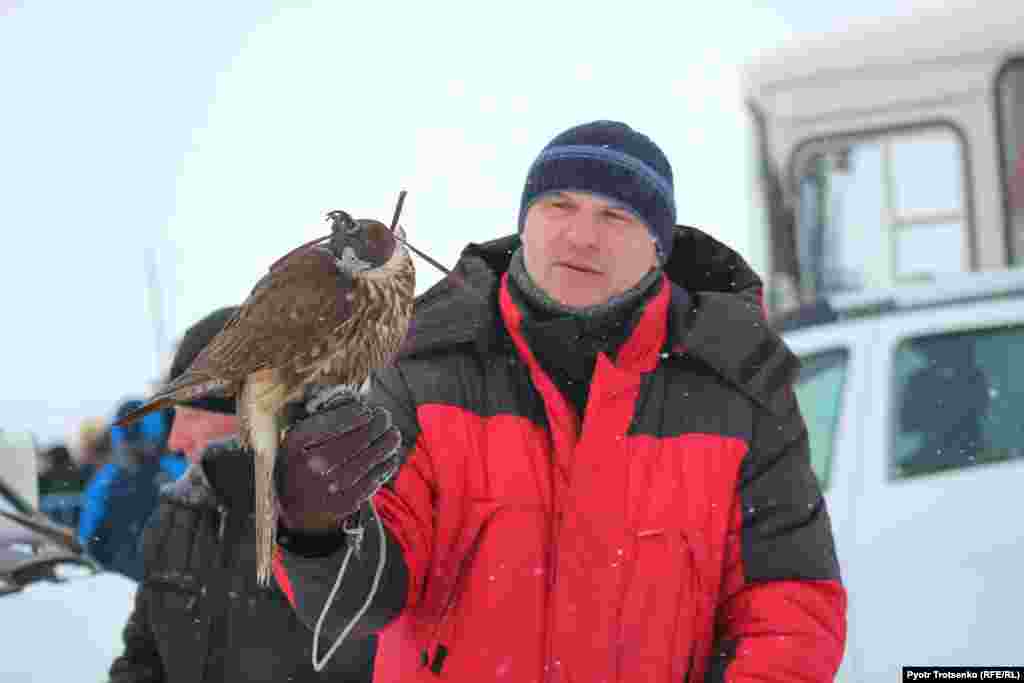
611	159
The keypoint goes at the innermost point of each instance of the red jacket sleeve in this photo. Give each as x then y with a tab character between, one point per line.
782	609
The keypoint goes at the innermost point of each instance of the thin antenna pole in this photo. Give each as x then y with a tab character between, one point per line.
155	300
398	209
454	277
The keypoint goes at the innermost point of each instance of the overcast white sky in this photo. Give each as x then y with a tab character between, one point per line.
218	137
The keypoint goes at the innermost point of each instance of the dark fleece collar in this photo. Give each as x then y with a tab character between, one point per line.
463	308
566	341
223	477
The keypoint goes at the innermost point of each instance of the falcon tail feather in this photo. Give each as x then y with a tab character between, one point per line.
186	388
261	401
150	407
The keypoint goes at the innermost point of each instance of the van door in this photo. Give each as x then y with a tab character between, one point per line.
938	545
832	384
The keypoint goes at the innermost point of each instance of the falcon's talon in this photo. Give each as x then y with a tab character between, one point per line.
329	396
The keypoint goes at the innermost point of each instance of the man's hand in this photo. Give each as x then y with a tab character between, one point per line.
334	460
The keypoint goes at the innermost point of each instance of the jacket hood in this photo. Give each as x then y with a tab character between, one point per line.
452	313
717	313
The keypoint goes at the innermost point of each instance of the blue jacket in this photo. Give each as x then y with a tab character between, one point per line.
123	493
97	492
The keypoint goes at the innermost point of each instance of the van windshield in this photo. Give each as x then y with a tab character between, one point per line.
881	210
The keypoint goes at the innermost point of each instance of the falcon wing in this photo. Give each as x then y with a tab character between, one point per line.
288	315
290	311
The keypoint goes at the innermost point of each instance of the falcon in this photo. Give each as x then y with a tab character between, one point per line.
325	315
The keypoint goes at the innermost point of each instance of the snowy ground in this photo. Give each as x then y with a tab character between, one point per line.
69	631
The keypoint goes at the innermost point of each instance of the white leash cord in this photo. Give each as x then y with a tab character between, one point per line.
356	534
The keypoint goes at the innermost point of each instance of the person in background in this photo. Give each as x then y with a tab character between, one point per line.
123	493
61	481
67	473
58	473
592	467
199	612
93	445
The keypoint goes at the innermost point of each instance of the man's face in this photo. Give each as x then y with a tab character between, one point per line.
583	249
193	429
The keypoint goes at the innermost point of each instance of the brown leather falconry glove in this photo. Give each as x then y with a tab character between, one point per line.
333	460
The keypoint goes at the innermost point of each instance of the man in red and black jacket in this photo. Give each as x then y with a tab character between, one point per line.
596	471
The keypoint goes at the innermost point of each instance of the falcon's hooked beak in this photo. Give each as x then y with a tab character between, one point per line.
340	222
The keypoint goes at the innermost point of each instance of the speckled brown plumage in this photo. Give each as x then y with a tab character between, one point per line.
314	318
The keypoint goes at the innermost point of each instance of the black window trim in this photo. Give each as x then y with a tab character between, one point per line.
1011	63
799	154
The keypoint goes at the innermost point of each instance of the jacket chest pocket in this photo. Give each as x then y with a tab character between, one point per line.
494	568
449	576
177	616
661	591
175	593
262	637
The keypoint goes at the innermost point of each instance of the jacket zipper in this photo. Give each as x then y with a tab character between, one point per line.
449	605
552	583
220	532
215	616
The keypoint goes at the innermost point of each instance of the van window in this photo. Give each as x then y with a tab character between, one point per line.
1010	93
959	401
8	504
881	210
819	390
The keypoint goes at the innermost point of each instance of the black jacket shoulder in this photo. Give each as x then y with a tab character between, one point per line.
200	613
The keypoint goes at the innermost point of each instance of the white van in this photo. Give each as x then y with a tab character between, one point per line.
891	157
63	616
915	408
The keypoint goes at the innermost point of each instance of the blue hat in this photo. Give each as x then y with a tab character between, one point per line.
611	159
152	428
